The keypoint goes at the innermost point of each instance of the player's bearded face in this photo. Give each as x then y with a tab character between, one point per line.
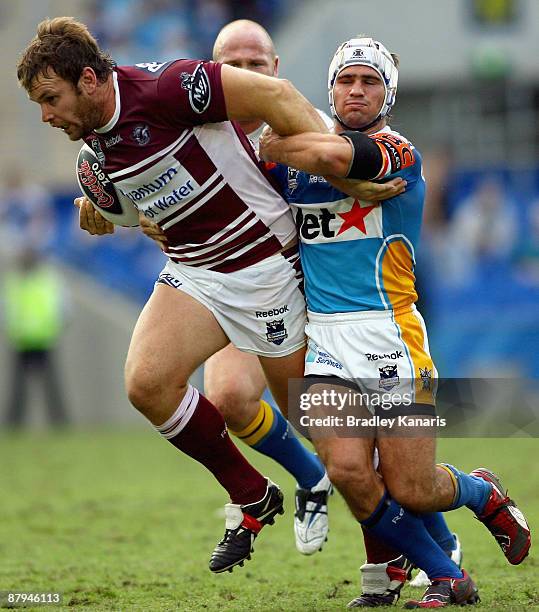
65	106
86	117
359	94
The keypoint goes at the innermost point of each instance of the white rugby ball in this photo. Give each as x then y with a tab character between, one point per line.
99	189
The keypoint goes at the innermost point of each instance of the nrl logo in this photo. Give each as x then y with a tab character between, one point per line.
389	377
292	179
198	86
276	331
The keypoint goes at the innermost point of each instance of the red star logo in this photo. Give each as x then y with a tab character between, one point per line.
355	217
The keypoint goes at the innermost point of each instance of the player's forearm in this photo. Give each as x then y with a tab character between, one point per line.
367	190
324	154
327	155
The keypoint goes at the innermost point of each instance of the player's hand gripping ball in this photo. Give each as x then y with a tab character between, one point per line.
100	190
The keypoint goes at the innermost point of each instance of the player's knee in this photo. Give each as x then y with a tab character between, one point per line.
150	393
415	494
348	472
226	398
235	404
141	389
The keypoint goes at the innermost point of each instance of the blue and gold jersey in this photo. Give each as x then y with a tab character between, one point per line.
359	255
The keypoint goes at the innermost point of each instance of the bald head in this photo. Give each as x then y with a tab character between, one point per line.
246	44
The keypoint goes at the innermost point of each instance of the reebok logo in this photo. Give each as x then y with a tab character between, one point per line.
264	314
375	357
113	140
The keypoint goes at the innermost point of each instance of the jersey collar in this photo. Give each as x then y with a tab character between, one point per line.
106	128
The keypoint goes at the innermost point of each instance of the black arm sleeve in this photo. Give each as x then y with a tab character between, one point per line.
367	158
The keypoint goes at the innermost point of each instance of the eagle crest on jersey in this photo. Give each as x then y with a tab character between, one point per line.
198	86
141	134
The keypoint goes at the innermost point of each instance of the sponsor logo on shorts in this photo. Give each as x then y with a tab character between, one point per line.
274	312
310	357
276	331
377	356
198	86
389	377
326	359
316	355
168	279
426	377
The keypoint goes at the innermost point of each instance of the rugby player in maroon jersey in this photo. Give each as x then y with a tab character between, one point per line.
163	135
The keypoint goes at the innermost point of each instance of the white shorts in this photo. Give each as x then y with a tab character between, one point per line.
260	308
379	351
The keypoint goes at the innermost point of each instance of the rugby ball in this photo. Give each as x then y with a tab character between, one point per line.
99	189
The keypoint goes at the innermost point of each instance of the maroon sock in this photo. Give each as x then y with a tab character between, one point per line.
205	439
377	551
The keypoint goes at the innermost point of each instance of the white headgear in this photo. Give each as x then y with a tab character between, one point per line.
365	52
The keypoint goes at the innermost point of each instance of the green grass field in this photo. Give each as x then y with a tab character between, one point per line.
122	521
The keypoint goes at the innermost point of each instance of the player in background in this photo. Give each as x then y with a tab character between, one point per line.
355	316
233	380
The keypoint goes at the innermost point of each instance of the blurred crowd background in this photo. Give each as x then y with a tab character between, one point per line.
468	98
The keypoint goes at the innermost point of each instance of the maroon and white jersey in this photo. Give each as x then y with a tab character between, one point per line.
170	149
